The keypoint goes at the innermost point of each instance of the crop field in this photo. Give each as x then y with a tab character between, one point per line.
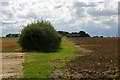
99	61
80	58
10	45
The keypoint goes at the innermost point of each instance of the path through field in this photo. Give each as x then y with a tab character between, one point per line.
12	65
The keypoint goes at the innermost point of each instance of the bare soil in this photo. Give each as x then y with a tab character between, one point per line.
12	65
98	59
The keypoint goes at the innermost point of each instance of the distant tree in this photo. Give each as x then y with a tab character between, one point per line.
8	35
12	35
101	36
74	34
83	34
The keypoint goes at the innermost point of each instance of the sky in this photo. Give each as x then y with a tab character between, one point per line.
96	17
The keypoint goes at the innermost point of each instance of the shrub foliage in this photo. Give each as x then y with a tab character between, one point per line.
39	36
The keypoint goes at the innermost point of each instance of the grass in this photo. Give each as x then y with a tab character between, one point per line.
41	65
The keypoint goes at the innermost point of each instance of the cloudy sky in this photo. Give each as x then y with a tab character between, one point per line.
96	17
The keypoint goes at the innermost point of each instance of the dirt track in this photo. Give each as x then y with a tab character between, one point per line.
12	65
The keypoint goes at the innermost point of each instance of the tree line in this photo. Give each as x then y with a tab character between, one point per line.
62	33
74	34
12	35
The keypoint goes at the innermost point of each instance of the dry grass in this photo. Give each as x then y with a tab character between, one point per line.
10	45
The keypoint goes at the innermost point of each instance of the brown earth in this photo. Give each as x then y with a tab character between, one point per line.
12	65
98	59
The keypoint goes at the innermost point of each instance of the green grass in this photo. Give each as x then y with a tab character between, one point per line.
41	65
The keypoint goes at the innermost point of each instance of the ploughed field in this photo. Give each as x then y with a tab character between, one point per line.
98	58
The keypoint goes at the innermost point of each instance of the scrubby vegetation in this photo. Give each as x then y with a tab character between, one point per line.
40	36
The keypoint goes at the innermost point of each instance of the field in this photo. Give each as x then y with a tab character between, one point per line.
78	58
36	64
10	45
100	61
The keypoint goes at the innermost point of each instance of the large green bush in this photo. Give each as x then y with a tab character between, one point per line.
39	36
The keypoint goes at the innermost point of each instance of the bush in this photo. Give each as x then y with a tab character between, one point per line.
39	36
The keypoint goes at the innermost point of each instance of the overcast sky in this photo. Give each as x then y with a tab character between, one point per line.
96	17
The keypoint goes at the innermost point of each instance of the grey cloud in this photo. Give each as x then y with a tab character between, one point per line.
82	4
8	22
105	12
80	12
80	8
58	6
4	3
31	14
8	13
95	29
110	22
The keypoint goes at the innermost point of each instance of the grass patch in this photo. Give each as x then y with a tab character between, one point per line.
41	65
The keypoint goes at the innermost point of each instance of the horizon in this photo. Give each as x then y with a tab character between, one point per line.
117	36
96	18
